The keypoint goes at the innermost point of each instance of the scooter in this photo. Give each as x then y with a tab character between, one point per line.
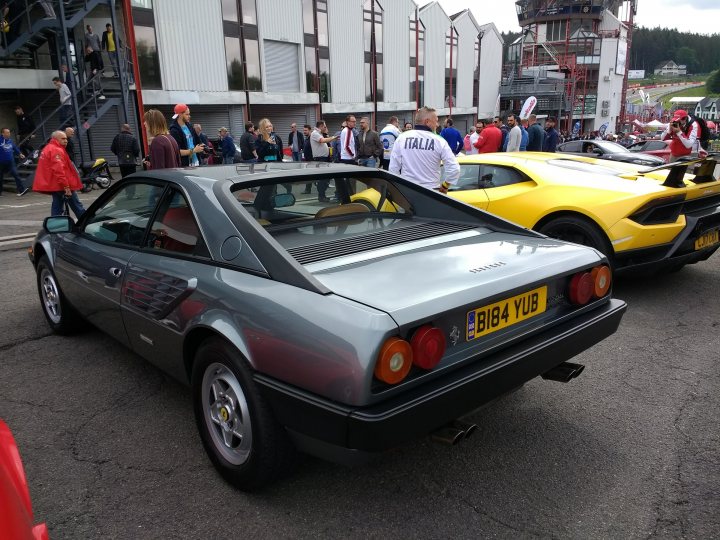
95	173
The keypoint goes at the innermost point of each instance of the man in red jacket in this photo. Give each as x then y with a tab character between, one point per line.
490	139
57	176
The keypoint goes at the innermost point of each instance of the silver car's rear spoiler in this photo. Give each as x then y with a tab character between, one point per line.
705	169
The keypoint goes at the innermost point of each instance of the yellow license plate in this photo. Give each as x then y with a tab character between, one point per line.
708	239
494	317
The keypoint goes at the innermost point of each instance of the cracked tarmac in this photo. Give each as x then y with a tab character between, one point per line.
628	450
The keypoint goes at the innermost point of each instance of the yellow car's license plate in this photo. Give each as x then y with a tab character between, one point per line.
493	317
708	239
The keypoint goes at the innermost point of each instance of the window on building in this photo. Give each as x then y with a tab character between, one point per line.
322	23
555	31
241	39
233	57
312	84
451	52
308	17
325	95
249	12
476	74
417	63
372	37
146	47
252	64
229	10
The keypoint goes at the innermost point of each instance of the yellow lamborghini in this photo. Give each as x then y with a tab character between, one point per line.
642	219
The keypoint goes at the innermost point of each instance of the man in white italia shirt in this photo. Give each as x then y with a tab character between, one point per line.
419	153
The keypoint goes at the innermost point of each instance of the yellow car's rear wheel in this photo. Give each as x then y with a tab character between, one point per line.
578	230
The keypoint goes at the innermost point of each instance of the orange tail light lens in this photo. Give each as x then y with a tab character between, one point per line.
582	287
395	361
428	346
602	276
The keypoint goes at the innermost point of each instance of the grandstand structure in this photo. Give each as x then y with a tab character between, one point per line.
572	56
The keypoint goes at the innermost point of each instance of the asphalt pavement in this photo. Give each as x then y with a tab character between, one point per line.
630	449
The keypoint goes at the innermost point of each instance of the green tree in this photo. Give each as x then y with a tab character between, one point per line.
687	56
713	82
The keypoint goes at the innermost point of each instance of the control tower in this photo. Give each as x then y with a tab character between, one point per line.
572	56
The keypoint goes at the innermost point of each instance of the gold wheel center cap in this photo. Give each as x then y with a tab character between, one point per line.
224	414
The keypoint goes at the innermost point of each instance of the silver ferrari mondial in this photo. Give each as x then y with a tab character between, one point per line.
307	321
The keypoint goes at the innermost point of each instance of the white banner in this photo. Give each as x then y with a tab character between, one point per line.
528	107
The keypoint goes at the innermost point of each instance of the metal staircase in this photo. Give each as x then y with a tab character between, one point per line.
88	105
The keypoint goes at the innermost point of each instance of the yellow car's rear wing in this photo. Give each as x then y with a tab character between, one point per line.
705	171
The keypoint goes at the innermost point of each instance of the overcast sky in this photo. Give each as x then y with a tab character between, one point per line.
701	16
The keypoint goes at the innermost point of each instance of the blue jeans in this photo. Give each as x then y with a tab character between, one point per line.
367	162
114	61
66	116
58	204
296	156
228	160
9	166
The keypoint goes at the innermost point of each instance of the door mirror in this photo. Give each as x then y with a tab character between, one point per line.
283	200
58	224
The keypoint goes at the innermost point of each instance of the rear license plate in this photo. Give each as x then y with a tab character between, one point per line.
493	317
708	239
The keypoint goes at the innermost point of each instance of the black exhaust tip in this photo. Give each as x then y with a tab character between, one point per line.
564	372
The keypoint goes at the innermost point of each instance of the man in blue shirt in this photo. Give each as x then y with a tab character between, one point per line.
187	140
551	135
8	151
452	136
227	146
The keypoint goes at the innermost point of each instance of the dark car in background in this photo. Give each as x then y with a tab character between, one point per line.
609	150
653	147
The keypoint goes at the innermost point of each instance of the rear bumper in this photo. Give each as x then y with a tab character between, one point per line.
669	256
342	433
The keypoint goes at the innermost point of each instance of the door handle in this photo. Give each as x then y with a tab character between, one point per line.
116	272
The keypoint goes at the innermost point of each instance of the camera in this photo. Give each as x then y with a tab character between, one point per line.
675	124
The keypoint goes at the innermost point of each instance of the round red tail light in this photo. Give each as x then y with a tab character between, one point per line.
602	277
428	346
395	361
582	286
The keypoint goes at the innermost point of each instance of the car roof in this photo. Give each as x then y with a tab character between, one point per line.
253	171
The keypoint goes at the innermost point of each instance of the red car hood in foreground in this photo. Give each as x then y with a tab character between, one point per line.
16	515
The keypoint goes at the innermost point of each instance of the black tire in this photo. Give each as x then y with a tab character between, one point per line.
86	187
104	182
244	441
60	315
579	231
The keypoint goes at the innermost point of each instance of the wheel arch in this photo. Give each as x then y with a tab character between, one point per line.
198	335
578	215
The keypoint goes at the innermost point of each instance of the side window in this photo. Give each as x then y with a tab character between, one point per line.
656	145
469	176
492	176
124	217
574	146
175	228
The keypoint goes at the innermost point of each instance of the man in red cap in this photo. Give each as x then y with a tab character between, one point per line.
683	134
187	140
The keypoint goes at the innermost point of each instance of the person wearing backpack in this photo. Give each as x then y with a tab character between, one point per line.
125	146
684	136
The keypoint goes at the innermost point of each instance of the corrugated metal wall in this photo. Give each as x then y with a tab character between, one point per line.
436	24
212	118
191	45
281	20
491	48
396	49
103	132
347	73
467	34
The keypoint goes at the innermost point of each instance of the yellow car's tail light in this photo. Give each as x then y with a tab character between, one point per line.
394	361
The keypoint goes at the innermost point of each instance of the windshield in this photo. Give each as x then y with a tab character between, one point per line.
610	147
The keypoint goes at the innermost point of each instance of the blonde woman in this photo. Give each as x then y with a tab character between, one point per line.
164	151
268	145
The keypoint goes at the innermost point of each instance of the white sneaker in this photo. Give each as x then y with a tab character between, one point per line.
101	97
